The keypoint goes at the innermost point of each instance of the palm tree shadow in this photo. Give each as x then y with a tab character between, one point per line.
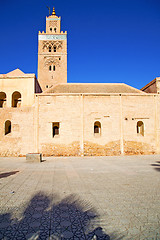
7	174
47	217
156	165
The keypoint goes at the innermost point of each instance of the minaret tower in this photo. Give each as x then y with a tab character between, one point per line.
52	53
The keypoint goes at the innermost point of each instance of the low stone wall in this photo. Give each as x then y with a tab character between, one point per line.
34	157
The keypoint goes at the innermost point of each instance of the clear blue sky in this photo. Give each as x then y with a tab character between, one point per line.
108	40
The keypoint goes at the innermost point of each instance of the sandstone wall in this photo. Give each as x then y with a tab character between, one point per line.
117	114
21	139
24	85
63	109
32	126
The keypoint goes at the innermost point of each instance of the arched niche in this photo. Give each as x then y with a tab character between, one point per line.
97	128
2	99
140	128
7	127
16	99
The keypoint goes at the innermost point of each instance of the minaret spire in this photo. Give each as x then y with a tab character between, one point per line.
52	53
53	13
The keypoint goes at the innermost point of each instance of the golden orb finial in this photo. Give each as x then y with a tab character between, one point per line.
53	13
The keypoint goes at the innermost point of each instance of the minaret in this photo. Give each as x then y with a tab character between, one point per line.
52	53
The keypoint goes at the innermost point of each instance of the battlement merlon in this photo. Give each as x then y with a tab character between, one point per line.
55	18
41	33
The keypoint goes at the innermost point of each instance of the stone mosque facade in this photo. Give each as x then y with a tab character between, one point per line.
50	116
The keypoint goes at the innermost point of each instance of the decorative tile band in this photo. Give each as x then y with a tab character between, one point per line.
52	37
53	18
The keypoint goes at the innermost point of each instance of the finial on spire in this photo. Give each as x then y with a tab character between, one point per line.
53	13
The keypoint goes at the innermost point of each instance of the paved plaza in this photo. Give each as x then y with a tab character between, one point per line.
80	198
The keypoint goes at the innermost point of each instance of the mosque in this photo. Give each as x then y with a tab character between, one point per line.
50	116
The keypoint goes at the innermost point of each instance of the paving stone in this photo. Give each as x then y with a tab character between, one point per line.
63	198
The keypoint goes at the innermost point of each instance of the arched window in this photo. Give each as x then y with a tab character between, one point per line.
2	99
50	68
16	99
55	49
54	68
50	49
140	128
55	30
7	127
51	29
97	128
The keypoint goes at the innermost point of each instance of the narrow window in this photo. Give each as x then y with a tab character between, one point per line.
55	30
97	128
55	129
140	128
59	58
16	99
50	68
2	99
54	68
7	127
50	49
55	49
46	86
50	29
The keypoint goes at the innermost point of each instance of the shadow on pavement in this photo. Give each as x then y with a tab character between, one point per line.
7	174
46	217
156	165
